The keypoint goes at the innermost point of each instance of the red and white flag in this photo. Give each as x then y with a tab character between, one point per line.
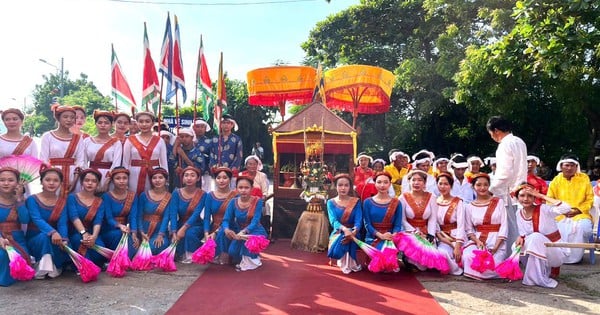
120	88
150	87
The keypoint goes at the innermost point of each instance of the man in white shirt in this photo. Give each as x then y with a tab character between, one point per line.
511	167
461	187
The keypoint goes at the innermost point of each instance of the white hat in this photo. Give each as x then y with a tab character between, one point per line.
474	158
535	158
187	131
254	157
568	159
382	161
431	155
395	155
490	160
363	155
201	121
422	157
227	117
435	168
166	133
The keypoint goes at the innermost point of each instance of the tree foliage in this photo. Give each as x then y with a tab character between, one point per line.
459	62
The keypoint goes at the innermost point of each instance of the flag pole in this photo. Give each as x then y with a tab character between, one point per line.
197	83
177	110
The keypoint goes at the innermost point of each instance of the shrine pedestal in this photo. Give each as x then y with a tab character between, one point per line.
312	230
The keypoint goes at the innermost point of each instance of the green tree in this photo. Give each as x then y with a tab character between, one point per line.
543	74
79	92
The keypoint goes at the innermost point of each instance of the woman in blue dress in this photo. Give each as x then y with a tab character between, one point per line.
48	213
382	214
214	211
13	213
187	219
118	209
86	212
345	217
242	218
153	212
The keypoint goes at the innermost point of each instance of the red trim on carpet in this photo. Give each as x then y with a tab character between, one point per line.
297	282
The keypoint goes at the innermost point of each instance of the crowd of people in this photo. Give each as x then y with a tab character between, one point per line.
160	188
458	207
95	188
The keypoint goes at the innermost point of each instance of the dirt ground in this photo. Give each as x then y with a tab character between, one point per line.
154	292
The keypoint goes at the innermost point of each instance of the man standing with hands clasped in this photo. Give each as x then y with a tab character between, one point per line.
511	168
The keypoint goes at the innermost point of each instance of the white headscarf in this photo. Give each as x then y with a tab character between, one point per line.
254	157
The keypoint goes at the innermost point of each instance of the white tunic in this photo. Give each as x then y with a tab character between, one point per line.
473	218
52	147
112	155
463	190
130	153
7	147
540	258
430	214
458	217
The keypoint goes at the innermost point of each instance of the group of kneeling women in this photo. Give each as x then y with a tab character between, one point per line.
456	227
81	220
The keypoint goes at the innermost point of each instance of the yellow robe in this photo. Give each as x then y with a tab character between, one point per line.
577	192
396	175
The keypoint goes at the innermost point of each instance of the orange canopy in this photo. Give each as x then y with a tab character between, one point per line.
359	89
273	85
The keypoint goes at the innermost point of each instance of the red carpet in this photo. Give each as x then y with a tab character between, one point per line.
297	282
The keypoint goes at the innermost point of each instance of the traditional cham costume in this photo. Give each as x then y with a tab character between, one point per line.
152	218
45	221
141	157
117	212
488	223
63	153
90	216
102	156
214	212
189	212
451	221
344	250
11	218
381	218
238	219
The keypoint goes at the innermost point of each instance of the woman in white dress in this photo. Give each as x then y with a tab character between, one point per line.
420	209
451	222
537	225
61	148
13	142
103	152
143	152
486	225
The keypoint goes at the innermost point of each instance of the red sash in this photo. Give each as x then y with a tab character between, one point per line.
386	223
486	226
88	220
157	215
418	221
250	213
192	205
448	226
66	162
145	162
217	217
535	218
22	146
348	212
122	216
10	225
57	211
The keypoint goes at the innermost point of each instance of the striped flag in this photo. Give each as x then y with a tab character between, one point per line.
120	88
178	78
166	58
204	83
150	87
221	105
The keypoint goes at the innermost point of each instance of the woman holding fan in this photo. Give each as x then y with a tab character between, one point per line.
86	212
242	218
151	218
13	142
119	203
382	213
13	213
486	225
214	212
61	148
143	152
451	222
47	231
103	152
187	219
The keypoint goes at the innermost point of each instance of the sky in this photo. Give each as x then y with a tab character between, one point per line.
80	32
